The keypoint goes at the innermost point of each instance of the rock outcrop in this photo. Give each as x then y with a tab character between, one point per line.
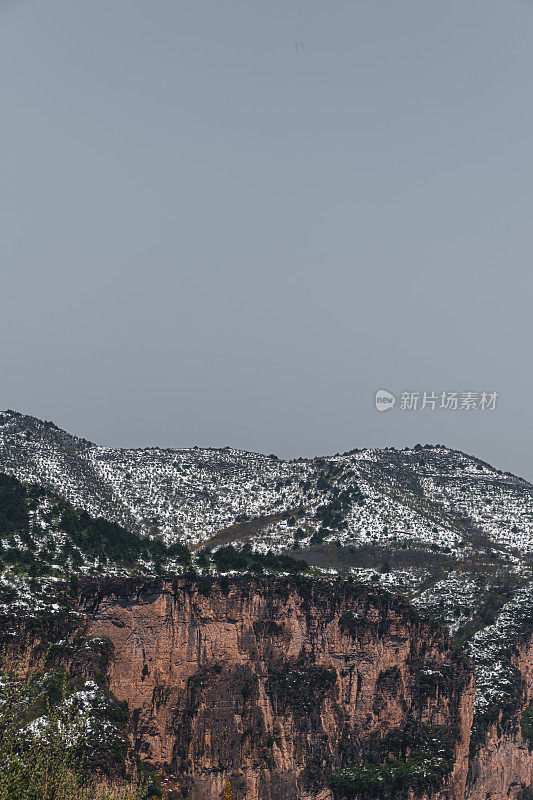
502	762
275	685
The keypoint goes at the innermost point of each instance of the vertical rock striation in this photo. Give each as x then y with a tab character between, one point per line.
502	762
276	684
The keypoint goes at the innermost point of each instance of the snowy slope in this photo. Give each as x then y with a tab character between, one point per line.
429	495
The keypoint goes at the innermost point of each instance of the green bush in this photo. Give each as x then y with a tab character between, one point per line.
229	558
420	769
394	778
526	724
42	755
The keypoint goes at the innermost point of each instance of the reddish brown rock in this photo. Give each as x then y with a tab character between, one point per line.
274	683
503	762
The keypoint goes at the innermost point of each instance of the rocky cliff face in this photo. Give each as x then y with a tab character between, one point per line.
502	764
275	685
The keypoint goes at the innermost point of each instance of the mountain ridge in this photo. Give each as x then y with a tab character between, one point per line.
449	532
194	493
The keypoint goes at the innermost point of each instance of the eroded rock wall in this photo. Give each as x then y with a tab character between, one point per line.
502	764
272	684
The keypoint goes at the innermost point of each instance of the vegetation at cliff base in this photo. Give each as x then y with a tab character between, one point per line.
46	741
386	780
421	770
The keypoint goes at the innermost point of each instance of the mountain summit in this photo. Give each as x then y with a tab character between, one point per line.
428	495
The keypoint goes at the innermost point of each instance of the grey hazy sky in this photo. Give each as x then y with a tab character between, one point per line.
231	222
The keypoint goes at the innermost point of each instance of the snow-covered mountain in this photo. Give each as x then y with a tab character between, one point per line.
449	531
432	496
